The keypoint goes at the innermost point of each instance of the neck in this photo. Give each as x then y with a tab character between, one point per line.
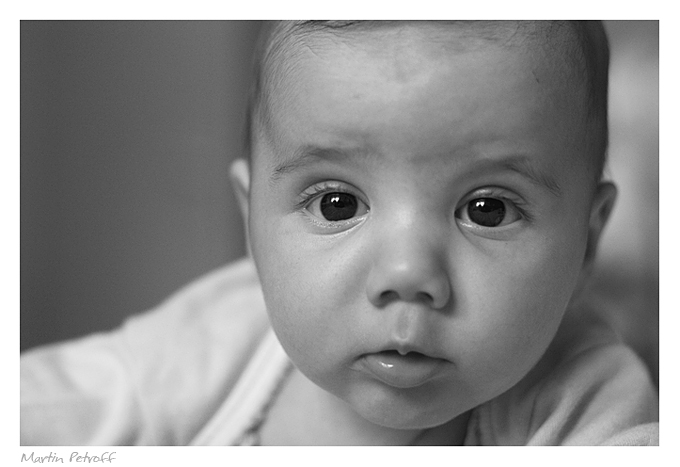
451	433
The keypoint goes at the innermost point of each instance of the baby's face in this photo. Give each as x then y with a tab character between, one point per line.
419	214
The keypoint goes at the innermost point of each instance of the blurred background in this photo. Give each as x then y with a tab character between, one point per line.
128	129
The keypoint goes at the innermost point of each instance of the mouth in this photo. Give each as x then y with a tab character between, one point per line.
401	370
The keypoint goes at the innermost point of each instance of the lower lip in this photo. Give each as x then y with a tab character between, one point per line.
401	371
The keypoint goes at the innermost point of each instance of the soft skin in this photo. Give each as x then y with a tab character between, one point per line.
414	126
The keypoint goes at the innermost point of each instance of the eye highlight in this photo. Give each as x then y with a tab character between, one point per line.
338	206
333	205
489	212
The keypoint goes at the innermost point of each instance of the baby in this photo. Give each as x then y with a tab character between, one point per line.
423	203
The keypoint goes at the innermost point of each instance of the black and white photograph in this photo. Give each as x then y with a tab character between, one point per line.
338	233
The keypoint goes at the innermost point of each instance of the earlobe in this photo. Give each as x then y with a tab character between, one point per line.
239	175
603	204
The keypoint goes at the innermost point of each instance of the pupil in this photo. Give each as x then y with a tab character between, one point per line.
488	212
338	206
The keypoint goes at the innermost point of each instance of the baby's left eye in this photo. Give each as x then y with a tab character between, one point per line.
337	207
489	212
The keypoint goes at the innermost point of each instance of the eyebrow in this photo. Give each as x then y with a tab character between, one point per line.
520	164
523	166
307	155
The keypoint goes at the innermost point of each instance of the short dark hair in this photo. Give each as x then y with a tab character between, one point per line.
590	55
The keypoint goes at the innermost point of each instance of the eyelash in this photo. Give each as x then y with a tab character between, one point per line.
500	194
316	191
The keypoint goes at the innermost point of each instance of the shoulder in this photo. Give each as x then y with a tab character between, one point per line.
224	308
588	389
190	352
157	378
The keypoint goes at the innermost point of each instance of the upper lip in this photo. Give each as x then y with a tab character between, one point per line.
404	348
408	330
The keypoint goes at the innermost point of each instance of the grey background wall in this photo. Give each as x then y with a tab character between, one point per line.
127	133
627	279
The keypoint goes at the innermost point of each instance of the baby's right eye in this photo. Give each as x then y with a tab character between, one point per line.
337	207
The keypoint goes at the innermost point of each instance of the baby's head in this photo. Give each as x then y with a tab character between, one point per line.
423	200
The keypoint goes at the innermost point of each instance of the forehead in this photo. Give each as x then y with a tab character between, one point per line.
354	83
553	43
288	42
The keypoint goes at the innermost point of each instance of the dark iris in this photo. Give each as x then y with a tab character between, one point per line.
338	206
488	212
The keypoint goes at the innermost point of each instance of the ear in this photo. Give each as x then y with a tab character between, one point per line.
603	204
239	175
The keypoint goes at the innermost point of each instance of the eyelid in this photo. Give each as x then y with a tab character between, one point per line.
329	186
316	191
517	202
493	192
496	193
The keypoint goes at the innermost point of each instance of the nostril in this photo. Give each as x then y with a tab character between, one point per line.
425	297
388	296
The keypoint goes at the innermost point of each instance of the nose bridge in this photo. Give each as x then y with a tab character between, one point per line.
410	263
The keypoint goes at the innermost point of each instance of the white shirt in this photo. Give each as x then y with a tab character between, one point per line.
204	366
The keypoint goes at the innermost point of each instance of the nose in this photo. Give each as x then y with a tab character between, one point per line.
409	268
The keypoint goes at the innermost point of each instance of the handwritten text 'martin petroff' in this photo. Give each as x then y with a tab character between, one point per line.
106	457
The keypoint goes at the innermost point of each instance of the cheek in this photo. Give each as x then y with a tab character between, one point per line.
513	307
313	295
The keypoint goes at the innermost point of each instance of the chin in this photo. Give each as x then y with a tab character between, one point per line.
404	409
